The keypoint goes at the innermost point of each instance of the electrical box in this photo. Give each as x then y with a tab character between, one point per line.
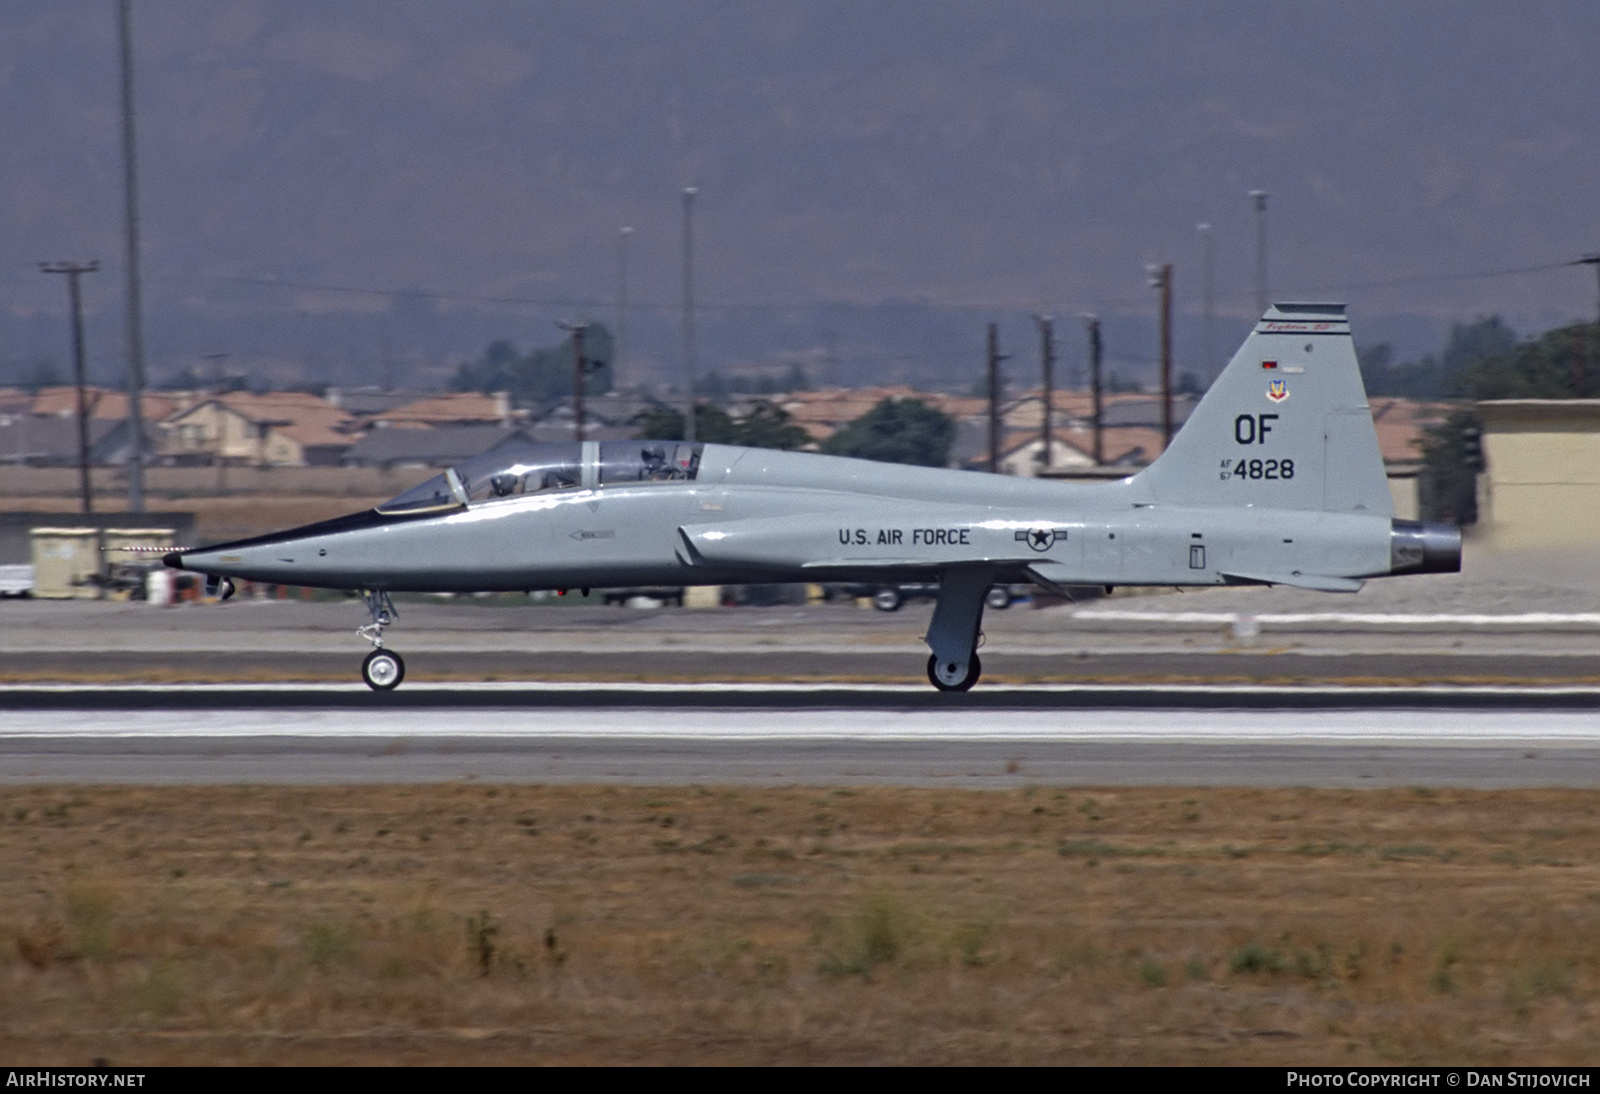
67	564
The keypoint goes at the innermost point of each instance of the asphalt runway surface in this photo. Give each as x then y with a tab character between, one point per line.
795	734
1489	678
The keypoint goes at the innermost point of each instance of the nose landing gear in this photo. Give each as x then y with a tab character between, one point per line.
383	669
950	676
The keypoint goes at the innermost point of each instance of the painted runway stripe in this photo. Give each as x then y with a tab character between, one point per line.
1522	729
1374	619
1376	692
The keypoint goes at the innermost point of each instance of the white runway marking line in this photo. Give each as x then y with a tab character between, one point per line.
1521	729
1378	619
1373	691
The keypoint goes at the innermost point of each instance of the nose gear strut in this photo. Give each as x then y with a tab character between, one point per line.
383	669
383	613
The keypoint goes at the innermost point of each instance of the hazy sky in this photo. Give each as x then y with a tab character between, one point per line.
1009	154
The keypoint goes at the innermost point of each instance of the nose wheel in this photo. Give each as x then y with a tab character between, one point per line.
383	670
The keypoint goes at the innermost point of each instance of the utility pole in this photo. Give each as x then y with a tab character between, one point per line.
135	322
1092	323
1259	199
994	359
218	362
74	270
1161	278
579	366
1592	261
621	352
1047	361
688	311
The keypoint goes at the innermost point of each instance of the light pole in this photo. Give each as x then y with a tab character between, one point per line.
135	319
688	311
1208	298
1259	199
74	270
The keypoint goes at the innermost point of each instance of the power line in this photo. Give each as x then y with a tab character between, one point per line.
700	305
1433	279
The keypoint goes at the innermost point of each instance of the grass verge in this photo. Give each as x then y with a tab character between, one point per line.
503	924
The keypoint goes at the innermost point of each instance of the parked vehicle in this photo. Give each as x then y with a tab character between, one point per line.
667	594
889	598
16	580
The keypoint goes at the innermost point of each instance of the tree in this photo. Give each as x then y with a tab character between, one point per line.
1382	375
897	431
1469	345
41	373
765	426
1480	340
542	375
769	426
1452	457
1556	365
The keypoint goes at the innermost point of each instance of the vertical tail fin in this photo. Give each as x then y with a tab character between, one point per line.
1285	426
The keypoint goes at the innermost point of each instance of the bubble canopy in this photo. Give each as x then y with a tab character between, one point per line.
518	469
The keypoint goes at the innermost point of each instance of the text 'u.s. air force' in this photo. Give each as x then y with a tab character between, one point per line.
899	537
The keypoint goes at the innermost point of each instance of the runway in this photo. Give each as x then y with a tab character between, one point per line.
996	736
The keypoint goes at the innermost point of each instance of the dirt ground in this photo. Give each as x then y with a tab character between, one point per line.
516	924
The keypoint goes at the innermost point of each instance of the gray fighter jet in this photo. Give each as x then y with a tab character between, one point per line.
1274	480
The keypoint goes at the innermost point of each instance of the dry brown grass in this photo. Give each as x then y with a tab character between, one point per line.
497	924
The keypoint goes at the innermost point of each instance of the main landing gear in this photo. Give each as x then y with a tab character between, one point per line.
383	669
953	632
938	674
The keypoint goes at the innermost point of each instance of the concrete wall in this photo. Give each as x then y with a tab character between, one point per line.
1541	488
16	528
176	483
1403	489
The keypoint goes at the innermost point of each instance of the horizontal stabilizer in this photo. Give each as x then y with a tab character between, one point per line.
1320	582
1053	576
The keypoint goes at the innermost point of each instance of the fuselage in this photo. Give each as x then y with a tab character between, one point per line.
735	515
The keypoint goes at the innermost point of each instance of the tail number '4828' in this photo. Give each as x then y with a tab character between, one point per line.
1257	469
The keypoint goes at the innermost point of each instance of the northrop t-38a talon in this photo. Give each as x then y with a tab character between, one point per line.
1275	479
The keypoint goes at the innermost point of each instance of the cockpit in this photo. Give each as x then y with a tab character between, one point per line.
518	469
